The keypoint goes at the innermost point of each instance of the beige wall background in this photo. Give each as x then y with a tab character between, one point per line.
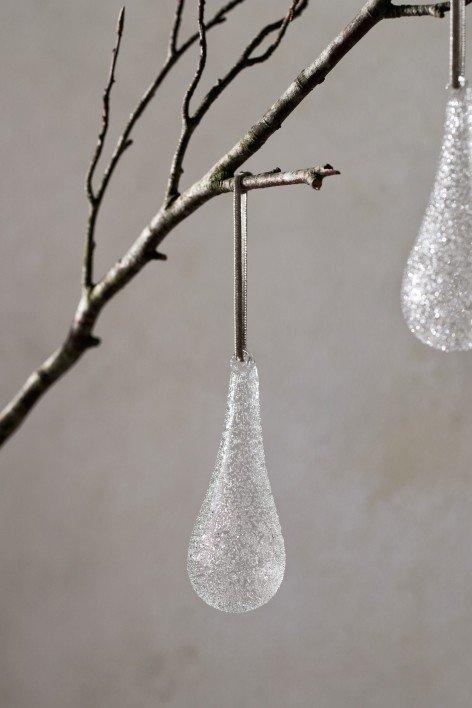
367	432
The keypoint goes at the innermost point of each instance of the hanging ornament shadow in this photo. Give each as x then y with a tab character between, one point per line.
437	285
236	555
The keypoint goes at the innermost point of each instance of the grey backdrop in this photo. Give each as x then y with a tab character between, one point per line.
367	432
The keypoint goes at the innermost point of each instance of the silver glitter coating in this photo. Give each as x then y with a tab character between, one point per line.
236	556
437	285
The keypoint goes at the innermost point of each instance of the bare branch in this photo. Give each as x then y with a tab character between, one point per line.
246	60
124	141
312	176
172	58
80	337
87	270
313	75
438	10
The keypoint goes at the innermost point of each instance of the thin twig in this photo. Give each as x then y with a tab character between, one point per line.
247	59
202	59
124	141
174	34
296	8
188	121
172	57
87	270
106	107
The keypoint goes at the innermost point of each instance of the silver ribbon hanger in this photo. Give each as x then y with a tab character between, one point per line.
457	43
240	268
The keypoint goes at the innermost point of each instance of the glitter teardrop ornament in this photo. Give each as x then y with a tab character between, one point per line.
236	556
437	286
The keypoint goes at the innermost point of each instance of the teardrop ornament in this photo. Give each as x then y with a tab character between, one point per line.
236	556
437	285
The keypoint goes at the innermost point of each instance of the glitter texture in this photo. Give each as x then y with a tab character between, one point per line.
236	556
437	286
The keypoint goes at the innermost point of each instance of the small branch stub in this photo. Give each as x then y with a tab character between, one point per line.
311	176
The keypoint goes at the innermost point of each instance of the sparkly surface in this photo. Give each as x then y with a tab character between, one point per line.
236	556
437	286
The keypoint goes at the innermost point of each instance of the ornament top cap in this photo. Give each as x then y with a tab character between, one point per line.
463	84
242	366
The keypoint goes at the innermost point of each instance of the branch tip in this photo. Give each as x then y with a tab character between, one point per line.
157	256
92	341
121	20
